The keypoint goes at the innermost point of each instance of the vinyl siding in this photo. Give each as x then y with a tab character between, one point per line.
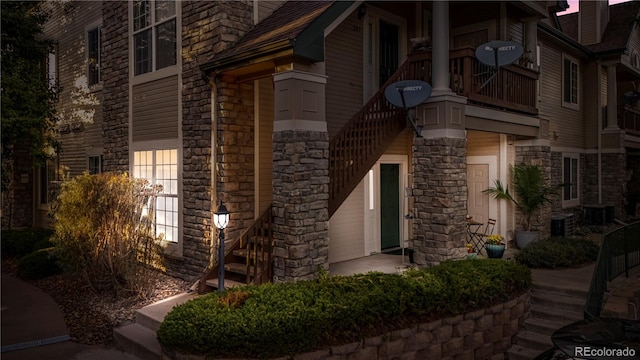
79	106
567	123
592	79
155	110
588	21
266	7
343	64
515	31
265	144
480	143
346	228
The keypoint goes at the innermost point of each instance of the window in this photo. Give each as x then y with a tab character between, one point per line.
93	55
154	35
570	82
161	167
46	179
52	69
570	193
95	164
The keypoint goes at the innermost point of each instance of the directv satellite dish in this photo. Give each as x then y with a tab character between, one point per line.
408	94
499	53
630	97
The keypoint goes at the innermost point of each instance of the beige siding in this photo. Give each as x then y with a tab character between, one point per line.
266	7
515	31
79	107
567	123
265	144
155	110
481	143
343	64
346	228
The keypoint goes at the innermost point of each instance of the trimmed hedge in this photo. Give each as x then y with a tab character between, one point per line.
18	243
39	264
558	253
281	319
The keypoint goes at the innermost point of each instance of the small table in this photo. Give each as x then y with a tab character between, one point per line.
473	227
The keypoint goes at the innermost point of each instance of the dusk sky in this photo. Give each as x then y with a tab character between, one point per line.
573	5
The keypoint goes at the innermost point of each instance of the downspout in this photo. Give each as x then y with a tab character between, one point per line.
599	107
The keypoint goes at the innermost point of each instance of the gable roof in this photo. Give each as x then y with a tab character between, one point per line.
616	35
295	25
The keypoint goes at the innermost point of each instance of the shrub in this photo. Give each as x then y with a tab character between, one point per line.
39	264
18	243
558	253
102	235
274	320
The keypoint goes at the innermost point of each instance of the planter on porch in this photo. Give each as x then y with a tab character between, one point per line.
495	251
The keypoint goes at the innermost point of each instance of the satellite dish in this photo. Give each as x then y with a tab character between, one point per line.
630	97
407	93
498	53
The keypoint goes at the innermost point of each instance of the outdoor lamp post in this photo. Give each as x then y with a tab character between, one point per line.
221	219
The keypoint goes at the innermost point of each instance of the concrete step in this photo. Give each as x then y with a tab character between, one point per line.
151	316
517	352
561	289
548	313
542	326
558	301
139	341
532	340
227	283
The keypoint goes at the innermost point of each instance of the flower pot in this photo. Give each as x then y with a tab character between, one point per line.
524	238
471	255
495	251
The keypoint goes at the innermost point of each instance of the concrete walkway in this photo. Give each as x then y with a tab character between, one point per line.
33	328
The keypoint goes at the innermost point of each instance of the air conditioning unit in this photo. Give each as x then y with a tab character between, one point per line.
562	225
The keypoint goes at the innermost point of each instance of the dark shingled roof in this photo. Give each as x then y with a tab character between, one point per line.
616	35
285	23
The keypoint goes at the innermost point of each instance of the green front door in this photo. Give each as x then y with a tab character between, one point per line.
389	205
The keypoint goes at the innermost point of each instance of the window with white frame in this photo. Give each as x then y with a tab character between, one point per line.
154	35
95	164
93	55
570	176
160	167
570	83
46	179
52	68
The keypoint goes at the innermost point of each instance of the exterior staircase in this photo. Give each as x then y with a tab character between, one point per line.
555	302
140	338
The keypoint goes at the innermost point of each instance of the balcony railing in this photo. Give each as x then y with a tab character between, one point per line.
512	88
629	119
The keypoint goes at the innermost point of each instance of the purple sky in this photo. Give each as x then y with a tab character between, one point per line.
573	5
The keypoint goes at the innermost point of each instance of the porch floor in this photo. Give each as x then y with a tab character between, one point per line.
384	263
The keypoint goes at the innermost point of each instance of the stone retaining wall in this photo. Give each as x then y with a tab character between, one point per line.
482	334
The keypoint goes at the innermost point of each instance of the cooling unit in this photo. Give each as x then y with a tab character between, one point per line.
562	225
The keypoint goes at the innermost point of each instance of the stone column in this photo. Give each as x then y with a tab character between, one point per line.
300	177
440	181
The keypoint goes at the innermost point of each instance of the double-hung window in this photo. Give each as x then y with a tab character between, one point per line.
570	82
95	164
46	180
160	167
154	35
570	173
93	55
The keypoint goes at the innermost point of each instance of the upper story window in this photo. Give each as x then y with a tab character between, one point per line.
93	55
154	35
570	82
52	68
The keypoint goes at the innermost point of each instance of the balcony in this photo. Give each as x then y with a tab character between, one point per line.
513	88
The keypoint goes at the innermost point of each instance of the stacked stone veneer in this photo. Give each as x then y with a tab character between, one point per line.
208	28
541	156
482	334
300	204
115	80
440	199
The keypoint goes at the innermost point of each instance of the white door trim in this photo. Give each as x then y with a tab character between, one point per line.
492	161
372	214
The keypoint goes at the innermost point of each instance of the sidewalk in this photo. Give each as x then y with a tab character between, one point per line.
33	327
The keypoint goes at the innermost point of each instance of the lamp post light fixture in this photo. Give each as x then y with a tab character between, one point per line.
221	220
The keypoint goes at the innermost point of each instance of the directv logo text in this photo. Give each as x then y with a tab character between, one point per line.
413	88
502	48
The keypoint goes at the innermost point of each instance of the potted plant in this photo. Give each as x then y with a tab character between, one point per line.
470	253
531	193
494	246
